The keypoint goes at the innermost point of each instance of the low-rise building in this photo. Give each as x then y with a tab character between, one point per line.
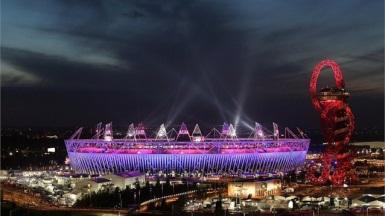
90	185
254	189
122	180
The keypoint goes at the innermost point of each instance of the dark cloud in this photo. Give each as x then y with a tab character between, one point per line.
184	60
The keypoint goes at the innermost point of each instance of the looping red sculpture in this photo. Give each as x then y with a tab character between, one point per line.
337	122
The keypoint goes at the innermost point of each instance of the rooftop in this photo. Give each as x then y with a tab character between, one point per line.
375	144
100	180
129	174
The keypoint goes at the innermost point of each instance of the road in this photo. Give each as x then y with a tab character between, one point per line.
27	200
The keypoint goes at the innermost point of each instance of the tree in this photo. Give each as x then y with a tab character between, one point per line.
137	184
218	206
158	188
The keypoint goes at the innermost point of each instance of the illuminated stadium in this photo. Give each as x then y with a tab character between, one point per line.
218	152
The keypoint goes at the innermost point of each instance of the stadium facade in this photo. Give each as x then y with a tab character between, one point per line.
219	152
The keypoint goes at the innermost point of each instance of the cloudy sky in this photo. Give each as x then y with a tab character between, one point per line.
71	63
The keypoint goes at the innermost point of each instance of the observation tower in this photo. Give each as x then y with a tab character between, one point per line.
337	123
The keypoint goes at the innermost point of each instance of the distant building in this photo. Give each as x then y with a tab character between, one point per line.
72	178
370	152
254	189
122	180
362	148
90	185
3	174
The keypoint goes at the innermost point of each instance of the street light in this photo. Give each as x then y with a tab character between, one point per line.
162	188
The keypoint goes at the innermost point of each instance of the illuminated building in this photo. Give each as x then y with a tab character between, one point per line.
219	152
127	179
254	189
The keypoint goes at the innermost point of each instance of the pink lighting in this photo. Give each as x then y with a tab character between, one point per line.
140	132
197	134
210	153
183	129
337	122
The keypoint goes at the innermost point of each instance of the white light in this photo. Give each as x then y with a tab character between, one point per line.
10	153
108	132
232	132
291	204
197	139
162	133
131	130
67	160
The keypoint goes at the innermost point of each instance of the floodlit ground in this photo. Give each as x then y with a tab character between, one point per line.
37	204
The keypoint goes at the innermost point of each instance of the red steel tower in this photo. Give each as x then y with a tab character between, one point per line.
337	123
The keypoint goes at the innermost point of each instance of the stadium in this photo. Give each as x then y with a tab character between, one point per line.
218	152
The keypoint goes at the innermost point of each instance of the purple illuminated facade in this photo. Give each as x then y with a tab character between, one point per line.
218	152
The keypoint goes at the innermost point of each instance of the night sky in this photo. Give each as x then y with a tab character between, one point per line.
75	63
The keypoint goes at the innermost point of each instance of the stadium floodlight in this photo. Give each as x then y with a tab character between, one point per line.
99	130
228	130
197	134
131	131
183	133
225	129
275	131
140	132
258	131
183	129
108	132
232	132
162	133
